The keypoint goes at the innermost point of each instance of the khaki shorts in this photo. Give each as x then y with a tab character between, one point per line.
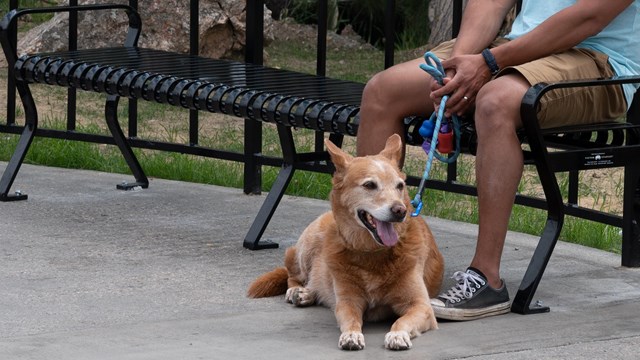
569	106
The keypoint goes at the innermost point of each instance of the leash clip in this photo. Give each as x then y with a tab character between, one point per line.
417	203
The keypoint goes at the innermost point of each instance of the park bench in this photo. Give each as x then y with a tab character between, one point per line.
291	100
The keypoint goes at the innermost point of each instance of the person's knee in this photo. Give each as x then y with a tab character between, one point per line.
374	93
497	109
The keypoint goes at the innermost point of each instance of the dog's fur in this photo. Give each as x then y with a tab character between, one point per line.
364	271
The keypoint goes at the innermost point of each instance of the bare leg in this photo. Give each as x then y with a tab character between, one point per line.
499	166
403	90
388	97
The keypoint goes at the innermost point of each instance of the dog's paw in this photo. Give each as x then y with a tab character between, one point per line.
397	340
351	340
288	297
299	296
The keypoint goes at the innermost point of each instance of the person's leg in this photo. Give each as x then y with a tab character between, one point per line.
499	160
479	291
499	166
390	96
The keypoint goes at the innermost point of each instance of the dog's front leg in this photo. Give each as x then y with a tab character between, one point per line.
417	319
349	316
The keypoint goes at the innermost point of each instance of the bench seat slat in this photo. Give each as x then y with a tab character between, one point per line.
81	63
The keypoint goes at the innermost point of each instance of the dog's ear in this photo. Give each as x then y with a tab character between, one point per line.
393	149
339	158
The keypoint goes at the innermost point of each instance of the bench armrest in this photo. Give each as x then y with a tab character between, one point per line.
531	100
9	21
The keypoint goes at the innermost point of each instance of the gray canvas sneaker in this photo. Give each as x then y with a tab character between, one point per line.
471	298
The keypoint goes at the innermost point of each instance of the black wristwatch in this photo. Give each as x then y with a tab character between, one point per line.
491	61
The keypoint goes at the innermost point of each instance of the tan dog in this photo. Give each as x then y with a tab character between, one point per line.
367	259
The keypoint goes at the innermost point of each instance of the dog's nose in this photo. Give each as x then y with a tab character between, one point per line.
399	211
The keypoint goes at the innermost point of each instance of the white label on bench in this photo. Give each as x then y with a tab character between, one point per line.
598	159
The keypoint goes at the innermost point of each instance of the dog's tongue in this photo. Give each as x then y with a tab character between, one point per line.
386	232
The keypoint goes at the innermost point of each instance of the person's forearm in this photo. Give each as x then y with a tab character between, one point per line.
560	32
481	23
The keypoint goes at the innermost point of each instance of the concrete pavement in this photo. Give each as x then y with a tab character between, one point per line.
91	272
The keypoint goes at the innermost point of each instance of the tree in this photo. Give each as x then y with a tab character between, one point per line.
441	16
440	19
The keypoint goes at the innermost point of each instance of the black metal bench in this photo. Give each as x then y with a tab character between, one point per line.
294	100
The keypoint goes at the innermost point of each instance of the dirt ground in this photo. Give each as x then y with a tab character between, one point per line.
288	30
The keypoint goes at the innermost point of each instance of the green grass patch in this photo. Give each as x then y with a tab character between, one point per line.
33	19
351	64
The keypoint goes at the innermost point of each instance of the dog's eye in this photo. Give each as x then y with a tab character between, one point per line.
370	185
400	186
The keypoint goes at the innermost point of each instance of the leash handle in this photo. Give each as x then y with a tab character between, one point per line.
433	66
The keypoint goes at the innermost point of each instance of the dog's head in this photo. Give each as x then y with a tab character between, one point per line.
370	191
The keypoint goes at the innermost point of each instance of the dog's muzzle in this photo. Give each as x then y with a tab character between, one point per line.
382	231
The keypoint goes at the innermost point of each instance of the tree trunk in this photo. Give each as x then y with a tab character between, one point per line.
332	21
441	18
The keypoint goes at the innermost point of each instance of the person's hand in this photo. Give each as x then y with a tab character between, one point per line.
466	74
435	86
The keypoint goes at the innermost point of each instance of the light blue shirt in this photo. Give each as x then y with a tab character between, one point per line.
620	40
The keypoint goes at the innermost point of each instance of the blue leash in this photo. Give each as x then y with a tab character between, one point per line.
431	128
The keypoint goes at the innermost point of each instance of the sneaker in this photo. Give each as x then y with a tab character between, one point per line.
471	298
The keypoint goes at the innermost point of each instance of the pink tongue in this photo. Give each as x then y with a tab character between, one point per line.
386	232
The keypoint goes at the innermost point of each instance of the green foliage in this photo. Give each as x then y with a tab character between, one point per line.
303	11
415	24
367	18
34	19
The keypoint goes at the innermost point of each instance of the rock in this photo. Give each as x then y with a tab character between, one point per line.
165	27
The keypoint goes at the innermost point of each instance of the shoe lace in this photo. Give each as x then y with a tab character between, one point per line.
466	285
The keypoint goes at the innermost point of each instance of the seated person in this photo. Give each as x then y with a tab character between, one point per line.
550	40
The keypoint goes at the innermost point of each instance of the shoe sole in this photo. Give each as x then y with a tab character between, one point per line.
470	314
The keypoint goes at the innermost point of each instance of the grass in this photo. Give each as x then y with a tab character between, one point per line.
34	18
170	124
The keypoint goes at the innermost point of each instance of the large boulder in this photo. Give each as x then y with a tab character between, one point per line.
165	27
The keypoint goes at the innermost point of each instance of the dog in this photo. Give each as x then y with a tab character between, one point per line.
367	258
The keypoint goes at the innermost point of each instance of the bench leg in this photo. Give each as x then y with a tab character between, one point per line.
252	239
31	124
522	302
555	215
111	116
541	255
252	146
631	217
12	168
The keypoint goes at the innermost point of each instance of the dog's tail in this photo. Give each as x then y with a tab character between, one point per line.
270	284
